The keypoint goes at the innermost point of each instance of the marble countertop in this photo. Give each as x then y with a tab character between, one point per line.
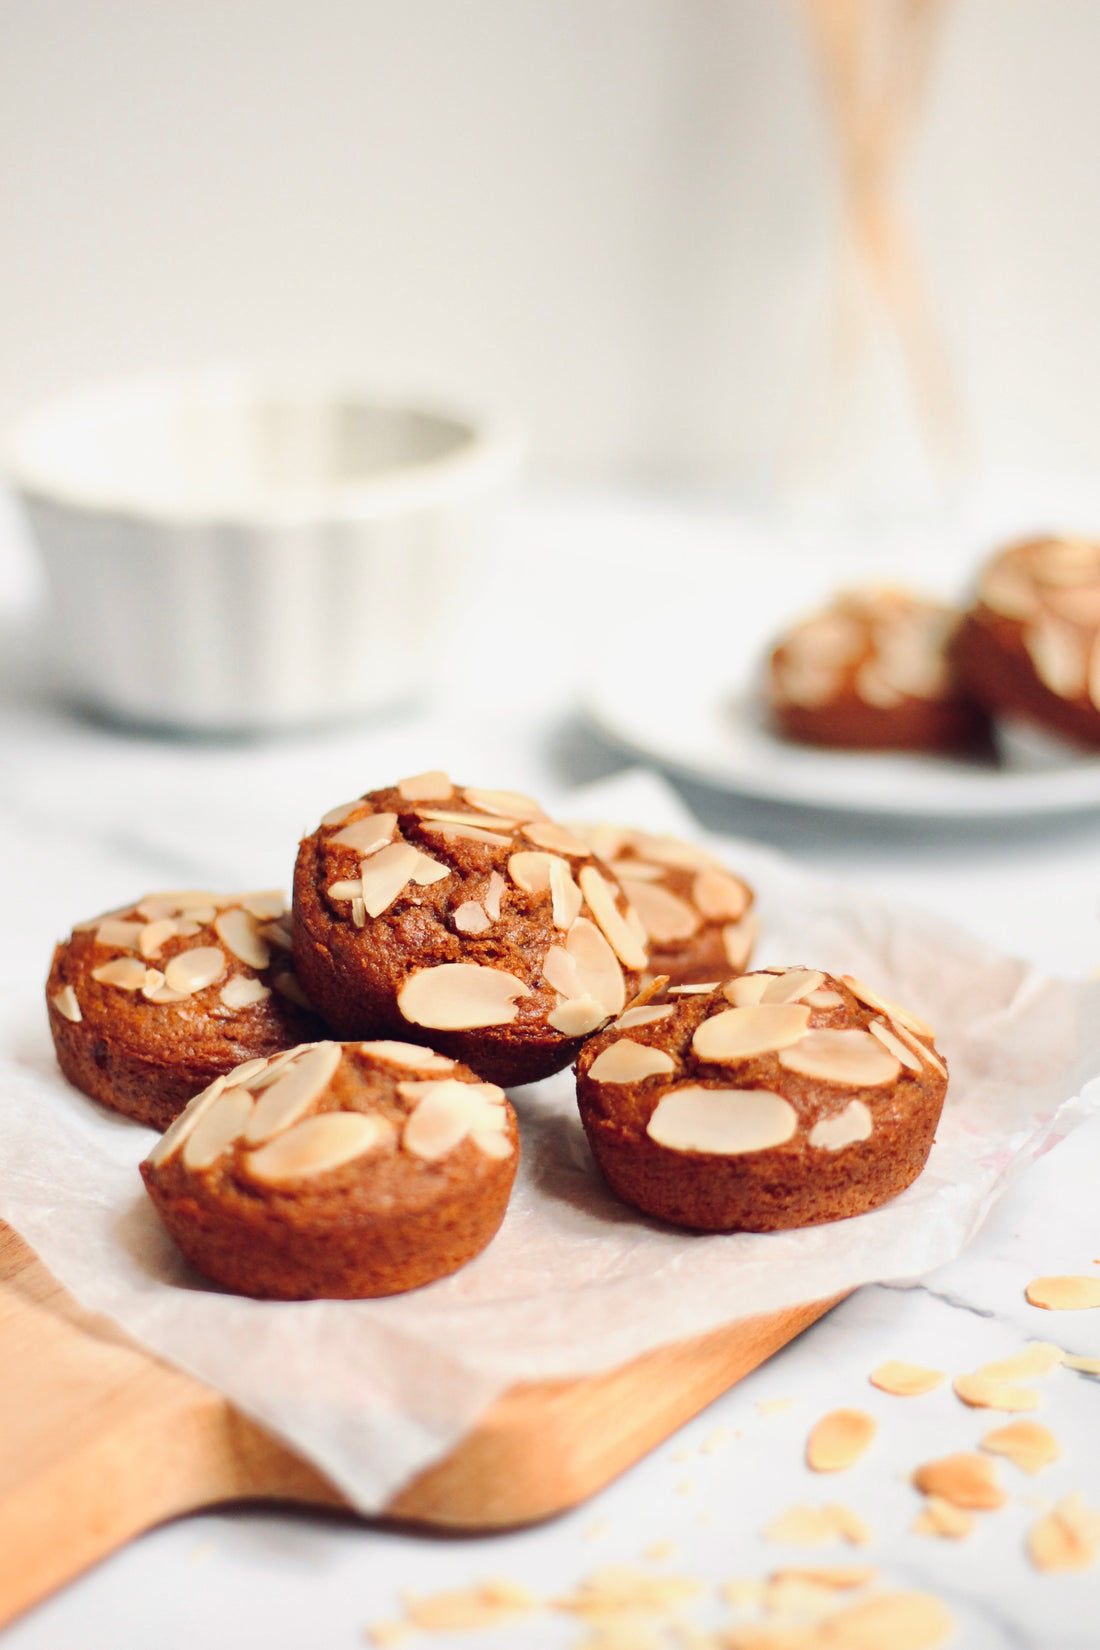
87	813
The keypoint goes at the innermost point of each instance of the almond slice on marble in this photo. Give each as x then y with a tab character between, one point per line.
837	1441
1068	1538
943	1518
194	970
127	973
242	993
220	1125
597	970
433	786
643	1015
386	874
1027	1444
963	1479
844	1128
577	1016
1087	1366
293	1092
872	999
125	934
747	990
367	836
494	893
1064	1294
719	896
721	1122
891	1621
1037	1358
979	1392
408	1054
893	1044
318	1145
510	804
906	1380
853	1059
665	917
66	1005
471	917
625	1061
460	997
239	932
545	833
738	939
802	1526
793	986
342	811
741	1033
601	902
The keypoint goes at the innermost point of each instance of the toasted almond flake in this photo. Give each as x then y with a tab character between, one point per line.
675	853
559	970
747	990
468	833
638	869
155	991
964	1479
465	1608
293	1093
433	786
194	970
874	685
244	1073
824	999
529	869
722	1122
1068	1538
1064	1294
942	1518
359	912
492	1142
493	895
127	973
837	1577
446	1111
643	1016
273	1067
792	986
414	1055
239	932
242	993
854	1059
872	999
1027	1444
154	935
559	840
266	905
893	1044
346	890
906	1380
738	939
1088	1366
66	1004
460	997
617	1589
665	917
846	1128
387	874
1057	652
742	1033
178	901
177	1132
981	1393
625	1061
774	1406
720	897
802	1527
577	1016
1037	1358
471	917
201	914
919	1048
343	810
565	897
125	934
512	804
482	822
837	1441
385	1634
601	902
367	836
318	1145
849	1525
216	1130
700	989
892	1621
597	968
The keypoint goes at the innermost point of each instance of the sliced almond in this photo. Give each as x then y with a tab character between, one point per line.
194	970
559	970
493	895
113	932
625	1061
802	1526
446	1112
359	911
824	999
176	901
529	869
981	1393
293	1092
943	1518
1064	1294
1057	651
239	932
845	1128
793	986
240	992
216	1130
596	966
471	917
700	989
367	836
742	1033
547	834
346	890
318	1145
872	999
484	822
288	985
921	1050
607	842
1088	1366
155	991
127	973
720	897
408	1054
837	1441
155	935
342	811
433	786
665	917
1027	1444
468	833
1064	561
512	804
565	897
1007	589
178	1130
721	1122
853	1059
244	1073
1068	1538
577	1016
643	1016
893	1044
906	1380
601	902
676	854
738	939
387	874
875	687
638	870
66	1004
900	1621
460	997
1037	1358
265	904
963	1479
747	990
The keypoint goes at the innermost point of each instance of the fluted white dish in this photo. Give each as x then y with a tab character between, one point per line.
228	554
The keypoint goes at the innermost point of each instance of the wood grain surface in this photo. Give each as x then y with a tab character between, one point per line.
100	1440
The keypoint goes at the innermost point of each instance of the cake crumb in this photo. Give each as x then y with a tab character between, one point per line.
1037	1358
686	1486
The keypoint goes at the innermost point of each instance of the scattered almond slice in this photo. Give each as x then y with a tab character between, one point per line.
1064	1294
906	1380
774	1406
838	1440
715	1440
1037	1358
384	1634
1027	1444
1068	1538
964	1480
484	1605
618	1588
982	1393
837	1577
661	1552
849	1525
941	1517
899	1621
769	1638
1088	1366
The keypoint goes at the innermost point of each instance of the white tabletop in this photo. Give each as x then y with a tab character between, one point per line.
88	813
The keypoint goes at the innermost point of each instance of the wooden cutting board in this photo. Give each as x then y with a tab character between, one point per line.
100	1440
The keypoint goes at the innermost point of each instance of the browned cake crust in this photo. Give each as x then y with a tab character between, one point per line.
429	912
699	918
785	1099
337	1172
148	1004
1028	647
873	672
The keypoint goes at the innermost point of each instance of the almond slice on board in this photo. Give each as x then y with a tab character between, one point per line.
837	1441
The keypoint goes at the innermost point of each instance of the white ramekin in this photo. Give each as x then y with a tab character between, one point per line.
228	554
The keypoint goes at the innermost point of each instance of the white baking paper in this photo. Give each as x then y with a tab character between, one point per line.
373	1391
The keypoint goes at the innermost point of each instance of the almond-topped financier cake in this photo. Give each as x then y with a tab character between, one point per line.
782	1099
336	1171
149	1003
463	918
698	917
872	671
1030	645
